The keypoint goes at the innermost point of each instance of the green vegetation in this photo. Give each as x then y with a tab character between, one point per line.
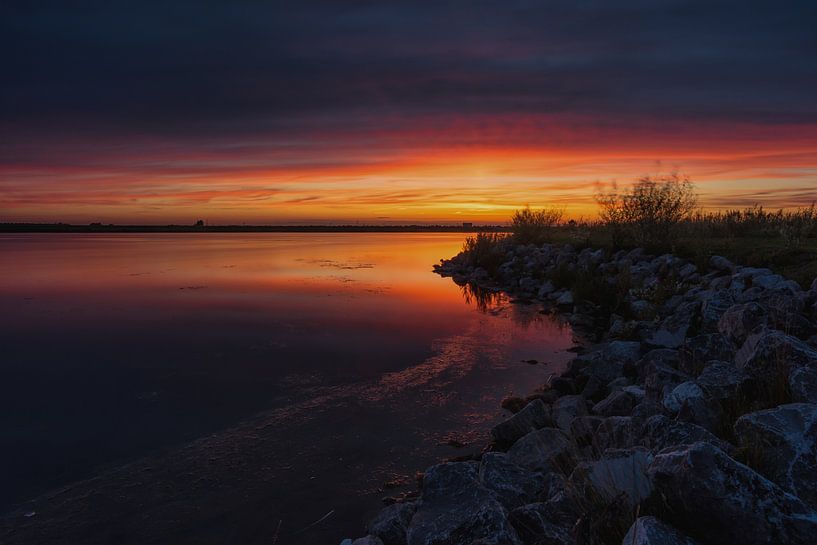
658	214
535	226
486	250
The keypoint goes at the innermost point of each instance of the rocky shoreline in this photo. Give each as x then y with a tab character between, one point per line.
692	420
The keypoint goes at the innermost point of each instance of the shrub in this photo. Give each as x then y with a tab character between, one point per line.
650	212
486	250
534	226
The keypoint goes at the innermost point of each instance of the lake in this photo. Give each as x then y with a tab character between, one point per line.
242	388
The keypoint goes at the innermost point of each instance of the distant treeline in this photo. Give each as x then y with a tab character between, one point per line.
110	228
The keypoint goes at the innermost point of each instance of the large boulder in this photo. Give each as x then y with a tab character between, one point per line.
391	523
803	385
672	332
535	415
544	450
658	356
653	531
566	408
740	320
583	435
681	394
659	432
620	477
618	403
710	496
543	523
607	363
721	264
660	380
618	432
714	305
512	484
368	540
456	508
782	445
730	386
698	350
771	355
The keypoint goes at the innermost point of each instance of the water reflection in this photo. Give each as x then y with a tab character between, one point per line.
485	299
355	354
495	302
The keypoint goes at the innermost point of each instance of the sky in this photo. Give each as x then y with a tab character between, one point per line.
321	111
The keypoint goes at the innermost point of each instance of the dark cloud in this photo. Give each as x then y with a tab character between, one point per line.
194	67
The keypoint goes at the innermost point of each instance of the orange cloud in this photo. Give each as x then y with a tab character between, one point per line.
462	171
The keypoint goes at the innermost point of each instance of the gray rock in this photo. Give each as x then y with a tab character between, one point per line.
595	389
544	450
622	351
769	355
616	404
544	523
620	476
546	289
699	350
607	362
663	356
659	433
708	494
714	306
535	415
391	523
583	430
704	412
782	444
672	332
637	392
721	264
368	540
646	408
726	383
768	281
783	302
687	270
565	299
618	432
660	380
642	310
671	304
653	531
619	384
803	385
680	394
722	282
456	508
739	320
566	408
512	484
746	274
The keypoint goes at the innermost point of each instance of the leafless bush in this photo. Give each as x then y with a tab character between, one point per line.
650	212
534	226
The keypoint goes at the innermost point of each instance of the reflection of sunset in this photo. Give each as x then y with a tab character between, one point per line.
336	279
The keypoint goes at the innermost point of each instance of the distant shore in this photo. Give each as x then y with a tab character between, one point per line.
110	228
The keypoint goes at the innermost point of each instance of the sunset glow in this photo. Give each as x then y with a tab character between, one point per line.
344	121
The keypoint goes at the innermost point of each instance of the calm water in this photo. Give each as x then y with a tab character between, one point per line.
236	388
